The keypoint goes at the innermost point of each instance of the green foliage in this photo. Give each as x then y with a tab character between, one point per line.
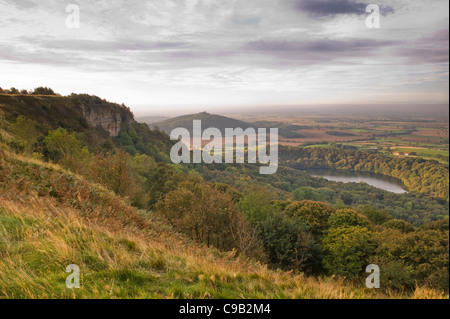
376	216
394	274
289	244
348	217
138	138
417	174
420	255
347	250
428	252
256	204
413	207
400	225
441	225
305	193
159	181
314	214
60	144
25	130
112	170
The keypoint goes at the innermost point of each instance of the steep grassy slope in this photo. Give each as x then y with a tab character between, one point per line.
50	218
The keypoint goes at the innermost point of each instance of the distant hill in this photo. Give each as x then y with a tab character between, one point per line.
222	122
151	119
208	120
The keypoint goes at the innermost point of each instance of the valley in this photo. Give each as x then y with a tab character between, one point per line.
150	228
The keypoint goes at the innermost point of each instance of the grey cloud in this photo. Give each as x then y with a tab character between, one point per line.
274	53
327	8
22	4
107	46
18	55
432	49
350	47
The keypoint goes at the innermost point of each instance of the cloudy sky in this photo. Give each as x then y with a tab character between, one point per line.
162	55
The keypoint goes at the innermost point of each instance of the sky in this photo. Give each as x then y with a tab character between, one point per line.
162	56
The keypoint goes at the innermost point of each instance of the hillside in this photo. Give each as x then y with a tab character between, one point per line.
75	112
121	252
141	227
222	122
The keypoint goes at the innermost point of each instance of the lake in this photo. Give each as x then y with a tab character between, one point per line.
386	183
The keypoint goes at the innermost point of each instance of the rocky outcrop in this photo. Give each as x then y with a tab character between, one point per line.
111	117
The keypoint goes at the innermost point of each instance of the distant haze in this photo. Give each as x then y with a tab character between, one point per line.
432	111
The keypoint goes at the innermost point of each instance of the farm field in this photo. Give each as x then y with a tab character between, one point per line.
426	138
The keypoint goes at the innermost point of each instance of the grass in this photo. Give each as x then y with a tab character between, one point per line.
39	240
426	153
122	252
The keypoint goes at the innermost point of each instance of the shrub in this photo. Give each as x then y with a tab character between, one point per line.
289	244
347	249
208	216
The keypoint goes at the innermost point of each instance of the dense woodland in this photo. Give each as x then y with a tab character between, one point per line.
424	176
290	221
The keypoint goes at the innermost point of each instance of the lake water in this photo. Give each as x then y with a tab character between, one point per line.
387	183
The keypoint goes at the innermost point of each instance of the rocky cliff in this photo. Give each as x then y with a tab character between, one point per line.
75	112
110	116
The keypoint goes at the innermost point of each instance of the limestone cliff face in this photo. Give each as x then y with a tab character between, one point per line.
111	117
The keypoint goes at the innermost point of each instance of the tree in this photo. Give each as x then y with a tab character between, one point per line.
347	250
442	225
395	274
61	144
43	91
400	225
305	193
314	214
13	90
376	216
115	172
256	204
289	244
428	252
348	217
160	181
208	216
25	130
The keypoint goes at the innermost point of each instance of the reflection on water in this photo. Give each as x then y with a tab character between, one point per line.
387	183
